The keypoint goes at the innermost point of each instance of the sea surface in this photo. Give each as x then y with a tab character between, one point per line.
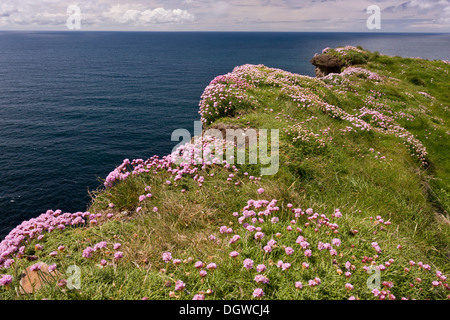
73	105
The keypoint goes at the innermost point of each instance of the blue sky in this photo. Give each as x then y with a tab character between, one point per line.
227	15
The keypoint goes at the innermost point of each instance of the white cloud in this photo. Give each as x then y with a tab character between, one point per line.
94	13
251	15
139	16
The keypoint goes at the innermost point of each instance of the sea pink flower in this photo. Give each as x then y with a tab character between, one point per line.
248	263
336	242
261	268
198	297
176	261
35	267
261	278
436	283
167	256
118	255
179	285
203	273
51	267
211	266
349	287
312	283
267	248
87	253
234	254
260	190
285	266
259	235
199	264
258	293
117	246
289	251
234	239
298	285
5	280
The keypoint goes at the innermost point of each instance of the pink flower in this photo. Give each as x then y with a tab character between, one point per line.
349	287
258	293
199	265
167	256
142	198
260	190
248	263
285	266
35	267
298	285
375	292
211	266
267	248
308	253
87	253
336	242
138	209
118	255
179	285
203	273
312	283
259	235
198	297
234	239
234	254
52	268
5	279
176	261
261	278
103	262
289	251
155	209
117	246
261	268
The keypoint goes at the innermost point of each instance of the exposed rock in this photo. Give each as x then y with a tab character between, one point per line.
32	281
326	64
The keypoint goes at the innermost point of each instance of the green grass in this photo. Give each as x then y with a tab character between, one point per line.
363	174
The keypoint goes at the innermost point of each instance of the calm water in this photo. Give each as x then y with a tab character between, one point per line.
73	105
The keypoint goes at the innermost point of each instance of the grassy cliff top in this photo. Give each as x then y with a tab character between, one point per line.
363	186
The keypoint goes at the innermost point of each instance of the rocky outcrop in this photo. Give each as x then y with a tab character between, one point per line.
326	64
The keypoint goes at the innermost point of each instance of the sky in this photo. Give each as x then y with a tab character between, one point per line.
225	15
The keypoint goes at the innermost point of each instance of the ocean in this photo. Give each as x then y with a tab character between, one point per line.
73	105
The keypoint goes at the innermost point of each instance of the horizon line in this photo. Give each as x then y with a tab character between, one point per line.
223	31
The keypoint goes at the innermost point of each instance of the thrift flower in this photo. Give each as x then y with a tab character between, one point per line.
179	285
167	256
248	263
258	293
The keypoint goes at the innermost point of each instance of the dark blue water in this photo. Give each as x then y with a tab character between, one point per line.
73	105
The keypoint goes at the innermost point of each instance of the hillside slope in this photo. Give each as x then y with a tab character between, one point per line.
361	194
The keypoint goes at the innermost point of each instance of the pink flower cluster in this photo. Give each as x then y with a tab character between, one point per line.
13	246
